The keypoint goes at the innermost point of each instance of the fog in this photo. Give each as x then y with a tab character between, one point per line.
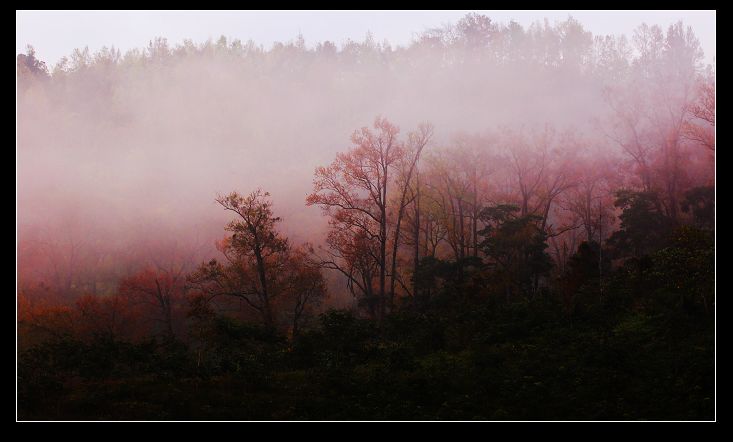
118	151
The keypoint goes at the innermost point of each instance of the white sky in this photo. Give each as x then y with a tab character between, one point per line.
56	33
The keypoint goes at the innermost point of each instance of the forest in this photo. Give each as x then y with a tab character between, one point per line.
494	222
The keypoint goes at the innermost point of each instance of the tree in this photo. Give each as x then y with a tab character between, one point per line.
628	130
700	202
644	226
407	169
583	270
514	247
112	317
261	268
160	288
686	267
701	128
456	187
475	31
529	161
652	105
30	69
589	200
353	191
450	193
255	254
542	169
305	285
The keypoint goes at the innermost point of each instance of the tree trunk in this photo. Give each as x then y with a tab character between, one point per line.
261	271
462	235
416	250
383	248
474	220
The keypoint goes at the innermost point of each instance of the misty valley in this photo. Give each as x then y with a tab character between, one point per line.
495	221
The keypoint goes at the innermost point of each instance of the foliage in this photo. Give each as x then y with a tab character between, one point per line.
516	246
644	226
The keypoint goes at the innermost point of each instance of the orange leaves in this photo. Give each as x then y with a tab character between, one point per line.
355	191
151	283
155	293
261	270
89	316
38	319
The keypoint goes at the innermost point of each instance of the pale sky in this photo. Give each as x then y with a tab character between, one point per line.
56	33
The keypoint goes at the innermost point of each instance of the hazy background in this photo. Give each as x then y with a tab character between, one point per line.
55	33
119	158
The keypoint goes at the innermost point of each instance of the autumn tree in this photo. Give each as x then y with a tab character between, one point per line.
589	201
113	317
529	161
541	169
355	191
304	286
260	266
585	211
429	231
254	255
628	129
407	183
159	289
652	106
449	192
701	127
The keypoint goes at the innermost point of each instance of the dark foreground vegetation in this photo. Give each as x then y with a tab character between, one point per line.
643	349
